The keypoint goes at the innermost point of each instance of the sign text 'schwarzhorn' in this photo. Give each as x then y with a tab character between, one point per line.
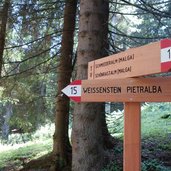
145	60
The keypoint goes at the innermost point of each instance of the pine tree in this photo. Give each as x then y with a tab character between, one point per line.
87	139
61	145
3	25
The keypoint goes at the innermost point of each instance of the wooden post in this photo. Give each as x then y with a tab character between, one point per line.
132	136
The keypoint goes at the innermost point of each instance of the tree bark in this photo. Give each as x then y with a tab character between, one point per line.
3	24
108	140
87	134
7	116
61	144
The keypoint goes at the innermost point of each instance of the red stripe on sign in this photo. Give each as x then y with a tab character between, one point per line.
76	82
76	99
165	43
165	66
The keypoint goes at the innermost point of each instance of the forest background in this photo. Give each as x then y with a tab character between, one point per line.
46	44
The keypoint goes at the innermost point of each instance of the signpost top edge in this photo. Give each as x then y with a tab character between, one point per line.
163	43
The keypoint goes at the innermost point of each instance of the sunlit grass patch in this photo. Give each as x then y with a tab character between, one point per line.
25	152
156	120
15	154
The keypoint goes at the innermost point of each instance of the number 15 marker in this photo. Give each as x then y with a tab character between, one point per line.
73	91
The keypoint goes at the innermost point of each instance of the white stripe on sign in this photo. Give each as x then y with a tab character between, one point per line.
166	54
72	90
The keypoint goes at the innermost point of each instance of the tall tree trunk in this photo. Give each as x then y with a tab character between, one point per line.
3	23
7	116
107	138
87	135
61	145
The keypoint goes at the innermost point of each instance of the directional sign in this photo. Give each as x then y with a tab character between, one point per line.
73	91
120	90
145	60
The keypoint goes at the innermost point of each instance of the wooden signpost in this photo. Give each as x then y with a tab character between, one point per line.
132	137
145	60
117	86
120	90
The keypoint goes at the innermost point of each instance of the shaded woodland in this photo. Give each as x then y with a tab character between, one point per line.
44	45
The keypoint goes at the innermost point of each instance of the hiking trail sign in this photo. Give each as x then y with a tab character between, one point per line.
120	90
144	60
117	86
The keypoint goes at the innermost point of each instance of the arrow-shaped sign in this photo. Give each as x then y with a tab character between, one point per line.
120	90
73	91
144	60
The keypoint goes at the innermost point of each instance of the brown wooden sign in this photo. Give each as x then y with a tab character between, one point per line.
145	60
121	90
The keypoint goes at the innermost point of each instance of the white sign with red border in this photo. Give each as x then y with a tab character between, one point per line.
165	54
73	90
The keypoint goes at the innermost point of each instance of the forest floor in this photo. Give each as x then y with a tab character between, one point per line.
156	155
13	158
156	140
156	146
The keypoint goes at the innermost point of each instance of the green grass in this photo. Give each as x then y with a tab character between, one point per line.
39	144
156	140
154	122
28	151
156	137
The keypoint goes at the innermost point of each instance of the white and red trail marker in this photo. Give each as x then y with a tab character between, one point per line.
165	55
73	90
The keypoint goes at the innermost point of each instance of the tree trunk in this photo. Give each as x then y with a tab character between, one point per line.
87	135
3	23
7	116
107	138
61	145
